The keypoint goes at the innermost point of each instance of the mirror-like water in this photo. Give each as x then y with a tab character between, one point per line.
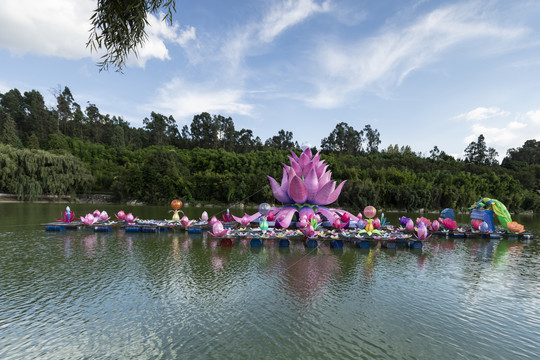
80	294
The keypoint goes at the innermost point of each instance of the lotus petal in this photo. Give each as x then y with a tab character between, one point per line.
295	157
335	194
284	181
296	167
327	213
297	190
305	157
306	169
321	169
324	193
279	194
285	215
324	179
312	184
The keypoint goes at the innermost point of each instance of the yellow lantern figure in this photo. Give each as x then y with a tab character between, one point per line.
176	205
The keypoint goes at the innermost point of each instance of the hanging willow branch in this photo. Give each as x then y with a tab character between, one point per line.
118	26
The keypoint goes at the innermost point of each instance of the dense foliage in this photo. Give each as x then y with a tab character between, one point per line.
211	161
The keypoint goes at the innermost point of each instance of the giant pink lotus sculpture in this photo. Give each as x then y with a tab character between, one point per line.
306	188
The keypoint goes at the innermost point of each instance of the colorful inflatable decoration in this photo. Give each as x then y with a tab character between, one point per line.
68	216
176	205
421	231
369	213
264	210
306	188
218	230
227	217
487	209
448	224
448	214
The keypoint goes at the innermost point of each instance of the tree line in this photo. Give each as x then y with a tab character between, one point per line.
66	149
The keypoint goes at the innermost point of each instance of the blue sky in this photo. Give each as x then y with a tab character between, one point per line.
423	73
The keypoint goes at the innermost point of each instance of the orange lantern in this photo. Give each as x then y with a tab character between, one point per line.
176	204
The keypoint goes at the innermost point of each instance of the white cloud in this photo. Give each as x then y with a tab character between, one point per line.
482	113
280	17
52	28
508	134
534	116
287	14
60	28
386	59
183	100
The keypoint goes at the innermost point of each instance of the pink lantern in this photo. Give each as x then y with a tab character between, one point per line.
370	212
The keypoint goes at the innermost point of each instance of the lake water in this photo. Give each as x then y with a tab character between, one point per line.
117	295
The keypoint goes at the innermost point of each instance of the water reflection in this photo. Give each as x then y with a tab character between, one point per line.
178	295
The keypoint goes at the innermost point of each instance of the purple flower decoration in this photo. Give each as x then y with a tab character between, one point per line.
403	221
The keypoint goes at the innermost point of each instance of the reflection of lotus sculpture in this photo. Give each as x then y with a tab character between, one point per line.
305	188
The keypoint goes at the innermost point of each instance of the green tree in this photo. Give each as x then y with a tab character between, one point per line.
282	141
161	129
373	139
343	139
8	133
528	153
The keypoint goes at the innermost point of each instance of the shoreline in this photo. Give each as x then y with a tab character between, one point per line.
107	200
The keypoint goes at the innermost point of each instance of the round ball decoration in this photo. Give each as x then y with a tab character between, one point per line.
176	204
264	209
370	211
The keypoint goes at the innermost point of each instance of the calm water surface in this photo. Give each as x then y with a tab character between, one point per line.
86	295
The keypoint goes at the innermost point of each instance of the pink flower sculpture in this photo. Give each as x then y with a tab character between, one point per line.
303	221
213	220
204	216
104	216
120	215
67	216
426	222
130	219
96	213
448	223
338	224
410	225
218	230
309	232
246	219
305	188
435	225
421	231
89	219
185	221
377	223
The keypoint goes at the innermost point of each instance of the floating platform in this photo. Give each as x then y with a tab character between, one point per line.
387	238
